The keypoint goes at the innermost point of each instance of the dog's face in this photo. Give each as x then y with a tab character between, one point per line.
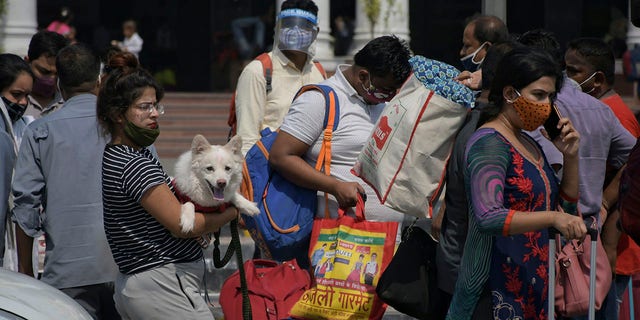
220	167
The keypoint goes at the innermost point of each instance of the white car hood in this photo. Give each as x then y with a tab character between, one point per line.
33	299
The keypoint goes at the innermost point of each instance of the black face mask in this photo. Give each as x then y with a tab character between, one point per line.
14	109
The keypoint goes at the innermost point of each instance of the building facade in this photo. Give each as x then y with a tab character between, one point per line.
190	47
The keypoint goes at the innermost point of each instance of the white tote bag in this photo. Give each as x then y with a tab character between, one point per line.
405	159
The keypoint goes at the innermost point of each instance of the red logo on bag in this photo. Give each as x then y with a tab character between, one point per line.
382	132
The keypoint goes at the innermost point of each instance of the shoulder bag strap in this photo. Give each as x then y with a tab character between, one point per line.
331	120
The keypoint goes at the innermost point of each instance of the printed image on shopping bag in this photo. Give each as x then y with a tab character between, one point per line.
376	147
346	264
322	260
404	160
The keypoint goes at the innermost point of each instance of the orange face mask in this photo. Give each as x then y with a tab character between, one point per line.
532	114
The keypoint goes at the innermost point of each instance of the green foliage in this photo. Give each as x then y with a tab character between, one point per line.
372	10
387	14
166	77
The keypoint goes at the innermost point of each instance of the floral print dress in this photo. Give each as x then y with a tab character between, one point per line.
514	268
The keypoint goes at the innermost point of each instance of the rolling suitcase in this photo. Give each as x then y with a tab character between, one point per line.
593	235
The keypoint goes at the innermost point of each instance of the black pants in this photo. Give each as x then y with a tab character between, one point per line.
483	310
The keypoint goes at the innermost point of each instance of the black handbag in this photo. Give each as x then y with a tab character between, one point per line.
409	283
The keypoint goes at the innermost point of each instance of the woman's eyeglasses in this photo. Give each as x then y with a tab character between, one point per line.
148	107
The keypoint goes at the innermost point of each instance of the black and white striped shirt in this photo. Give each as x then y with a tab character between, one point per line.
137	240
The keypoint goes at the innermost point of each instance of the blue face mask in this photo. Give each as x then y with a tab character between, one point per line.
468	61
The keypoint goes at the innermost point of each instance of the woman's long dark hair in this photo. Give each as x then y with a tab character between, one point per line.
519	68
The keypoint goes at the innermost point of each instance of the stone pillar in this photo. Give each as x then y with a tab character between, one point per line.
496	8
18	26
633	36
393	19
324	51
633	41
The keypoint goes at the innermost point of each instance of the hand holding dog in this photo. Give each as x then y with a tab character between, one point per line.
162	204
212	222
225	217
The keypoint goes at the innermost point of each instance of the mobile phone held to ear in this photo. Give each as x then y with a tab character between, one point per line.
551	125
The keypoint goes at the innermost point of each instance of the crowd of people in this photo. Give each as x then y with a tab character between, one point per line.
77	165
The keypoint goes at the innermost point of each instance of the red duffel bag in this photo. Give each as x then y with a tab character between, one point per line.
273	289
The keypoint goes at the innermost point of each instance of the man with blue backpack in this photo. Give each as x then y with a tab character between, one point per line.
361	90
303	170
267	85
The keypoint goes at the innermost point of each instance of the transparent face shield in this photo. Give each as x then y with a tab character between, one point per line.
296	30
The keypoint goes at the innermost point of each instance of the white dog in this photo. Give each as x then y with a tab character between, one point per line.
210	175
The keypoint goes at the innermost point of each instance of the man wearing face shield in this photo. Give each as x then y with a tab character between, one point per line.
259	105
41	56
379	70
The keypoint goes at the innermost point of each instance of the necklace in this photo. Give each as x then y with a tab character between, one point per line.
605	93
524	147
505	122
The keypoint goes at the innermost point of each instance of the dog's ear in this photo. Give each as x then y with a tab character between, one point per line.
235	145
200	144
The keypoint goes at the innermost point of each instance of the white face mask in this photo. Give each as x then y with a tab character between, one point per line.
468	61
574	83
585	81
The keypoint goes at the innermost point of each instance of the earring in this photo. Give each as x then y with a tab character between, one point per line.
511	93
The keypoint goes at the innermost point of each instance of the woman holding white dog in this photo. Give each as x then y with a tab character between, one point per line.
160	266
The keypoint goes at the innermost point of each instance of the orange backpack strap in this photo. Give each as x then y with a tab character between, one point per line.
331	120
320	68
267	71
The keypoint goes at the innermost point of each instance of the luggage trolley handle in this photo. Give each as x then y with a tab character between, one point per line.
593	234
551	306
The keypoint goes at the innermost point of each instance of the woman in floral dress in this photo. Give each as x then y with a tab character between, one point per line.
514	195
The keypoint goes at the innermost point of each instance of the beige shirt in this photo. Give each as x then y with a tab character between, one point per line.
37	111
255	110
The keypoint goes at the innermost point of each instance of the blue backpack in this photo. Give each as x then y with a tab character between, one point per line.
282	230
